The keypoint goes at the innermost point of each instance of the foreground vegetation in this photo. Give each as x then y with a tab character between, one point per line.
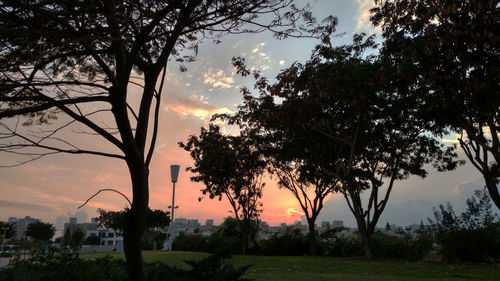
327	268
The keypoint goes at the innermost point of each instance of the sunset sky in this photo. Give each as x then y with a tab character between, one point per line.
52	188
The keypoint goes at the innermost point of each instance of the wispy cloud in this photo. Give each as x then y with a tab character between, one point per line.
195	105
218	79
293	212
26	206
363	23
202	113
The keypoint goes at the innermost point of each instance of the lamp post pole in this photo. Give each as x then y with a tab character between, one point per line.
4	235
174	173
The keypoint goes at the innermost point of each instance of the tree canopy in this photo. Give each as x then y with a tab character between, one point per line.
115	219
447	53
41	231
230	167
7	229
349	124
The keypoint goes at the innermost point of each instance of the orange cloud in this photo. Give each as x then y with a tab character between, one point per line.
202	113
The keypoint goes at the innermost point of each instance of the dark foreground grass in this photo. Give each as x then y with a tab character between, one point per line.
326	268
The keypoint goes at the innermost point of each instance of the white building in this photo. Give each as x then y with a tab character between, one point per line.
20	225
108	237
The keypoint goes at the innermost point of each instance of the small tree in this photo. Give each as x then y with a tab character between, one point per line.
231	167
76	239
154	219
41	232
92	239
6	229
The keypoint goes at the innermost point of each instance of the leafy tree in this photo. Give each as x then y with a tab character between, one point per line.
92	239
351	124
77	59
154	219
447	53
230	167
41	231
115	219
76	239
7	229
470	236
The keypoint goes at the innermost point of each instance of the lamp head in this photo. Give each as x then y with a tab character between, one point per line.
174	172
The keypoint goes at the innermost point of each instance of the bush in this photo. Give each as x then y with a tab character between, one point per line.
56	265
226	237
189	242
233	245
216	267
5	255
471	245
290	242
62	266
404	246
333	244
474	236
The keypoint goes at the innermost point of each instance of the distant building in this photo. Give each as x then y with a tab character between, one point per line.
325	225
108	237
337	223
20	225
183	225
193	223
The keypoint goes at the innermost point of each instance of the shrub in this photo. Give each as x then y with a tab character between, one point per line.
336	245
227	237
290	242
5	255
404	246
189	242
474	236
471	245
62	266
56	265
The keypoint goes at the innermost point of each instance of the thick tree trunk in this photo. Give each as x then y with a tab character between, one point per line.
367	245
366	236
492	187
135	223
132	245
312	238
244	237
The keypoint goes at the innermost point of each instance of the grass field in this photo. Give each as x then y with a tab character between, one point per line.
326	268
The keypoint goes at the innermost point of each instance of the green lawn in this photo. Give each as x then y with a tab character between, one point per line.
326	268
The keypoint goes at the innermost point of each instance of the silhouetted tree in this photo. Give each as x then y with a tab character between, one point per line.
470	236
7	229
115	219
447	53
40	231
76	239
92	239
351	123
78	59
231	167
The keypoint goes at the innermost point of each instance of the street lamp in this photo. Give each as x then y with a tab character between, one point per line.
174	174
